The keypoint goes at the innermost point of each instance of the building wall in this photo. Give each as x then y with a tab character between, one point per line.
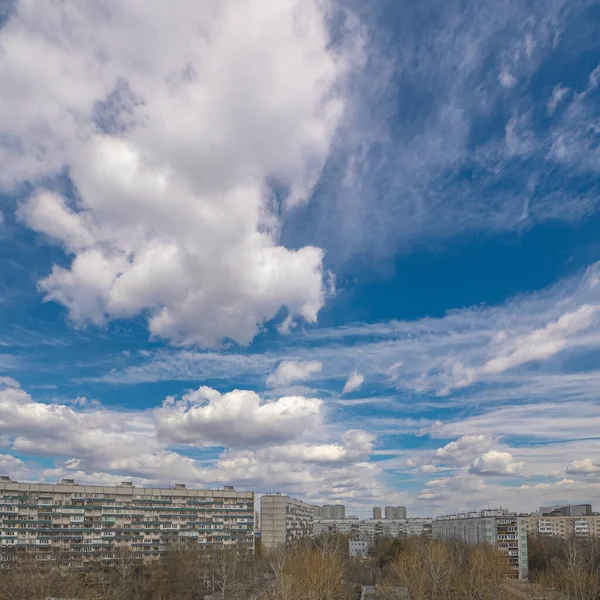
563	526
504	530
85	522
371	529
395	512
284	520
358	548
332	511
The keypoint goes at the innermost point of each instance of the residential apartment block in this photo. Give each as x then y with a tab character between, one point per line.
377	512
563	526
505	530
284	520
97	522
371	529
395	512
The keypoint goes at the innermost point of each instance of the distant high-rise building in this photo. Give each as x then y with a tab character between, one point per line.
333	511
377	512
567	510
395	512
284	520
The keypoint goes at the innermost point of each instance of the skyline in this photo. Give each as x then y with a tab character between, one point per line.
345	251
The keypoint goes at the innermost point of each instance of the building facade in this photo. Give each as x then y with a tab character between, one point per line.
332	511
395	512
359	548
502	529
562	526
377	512
284	520
372	529
80	522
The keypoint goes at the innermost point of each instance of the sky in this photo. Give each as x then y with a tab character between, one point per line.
345	250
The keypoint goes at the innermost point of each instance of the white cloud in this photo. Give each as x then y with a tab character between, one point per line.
462	450
170	142
506	78
465	492
538	344
327	471
14	467
492	344
496	463
235	419
9	382
543	421
559	93
427	469
98	444
587	466
354	382
289	371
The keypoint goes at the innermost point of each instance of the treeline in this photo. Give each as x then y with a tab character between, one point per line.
405	569
570	566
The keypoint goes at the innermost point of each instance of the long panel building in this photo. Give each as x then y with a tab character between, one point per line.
372	529
503	529
562	526
81	522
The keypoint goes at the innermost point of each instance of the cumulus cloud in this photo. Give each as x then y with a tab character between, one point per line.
337	471
354	382
587	466
289	371
9	382
13	467
99	444
496	463
238	418
462	450
172	144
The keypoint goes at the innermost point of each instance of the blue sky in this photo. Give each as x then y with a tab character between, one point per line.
345	250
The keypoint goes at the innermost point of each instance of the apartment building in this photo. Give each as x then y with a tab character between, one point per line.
395	512
284	520
566	510
503	529
81	522
377	512
332	511
371	529
563	526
